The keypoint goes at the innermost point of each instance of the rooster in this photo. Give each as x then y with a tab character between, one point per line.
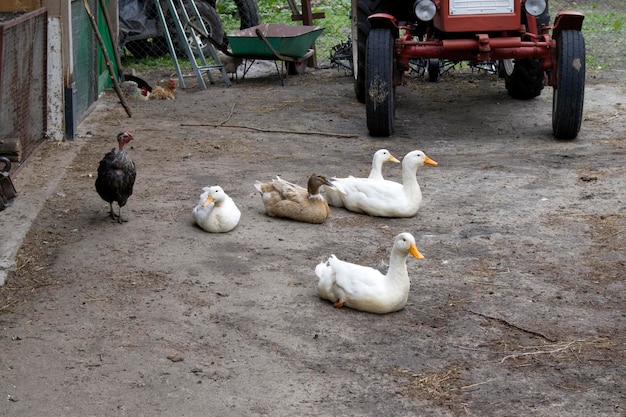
133	91
165	90
116	176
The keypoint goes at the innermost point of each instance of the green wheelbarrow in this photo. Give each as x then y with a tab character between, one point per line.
277	42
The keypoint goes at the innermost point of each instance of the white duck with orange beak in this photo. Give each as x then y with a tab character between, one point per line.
367	289
216	212
386	198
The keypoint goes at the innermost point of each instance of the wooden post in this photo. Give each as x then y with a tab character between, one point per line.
307	20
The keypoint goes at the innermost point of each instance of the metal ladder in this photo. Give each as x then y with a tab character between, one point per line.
182	21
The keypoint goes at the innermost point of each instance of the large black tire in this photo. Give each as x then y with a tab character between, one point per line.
526	79
360	33
379	92
211	21
248	13
569	92
433	69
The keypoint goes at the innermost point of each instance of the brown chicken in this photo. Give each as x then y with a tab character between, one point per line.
165	90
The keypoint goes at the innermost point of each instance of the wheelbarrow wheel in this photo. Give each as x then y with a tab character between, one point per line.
379	92
569	92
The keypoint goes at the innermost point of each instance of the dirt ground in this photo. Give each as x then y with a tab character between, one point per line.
517	309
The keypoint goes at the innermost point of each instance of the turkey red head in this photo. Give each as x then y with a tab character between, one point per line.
123	138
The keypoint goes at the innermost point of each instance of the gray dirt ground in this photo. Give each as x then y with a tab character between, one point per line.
517	308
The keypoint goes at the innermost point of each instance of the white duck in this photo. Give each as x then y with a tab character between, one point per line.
380	157
284	199
386	198
216	212
364	288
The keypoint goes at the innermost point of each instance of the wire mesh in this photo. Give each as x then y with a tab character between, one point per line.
23	39
142	34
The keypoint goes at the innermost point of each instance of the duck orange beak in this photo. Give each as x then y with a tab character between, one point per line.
429	161
208	201
413	251
393	159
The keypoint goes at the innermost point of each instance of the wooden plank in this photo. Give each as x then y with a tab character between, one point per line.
298	17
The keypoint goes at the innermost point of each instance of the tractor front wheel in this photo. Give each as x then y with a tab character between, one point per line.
379	88
569	92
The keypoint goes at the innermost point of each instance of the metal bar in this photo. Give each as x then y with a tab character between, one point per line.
202	31
183	40
170	45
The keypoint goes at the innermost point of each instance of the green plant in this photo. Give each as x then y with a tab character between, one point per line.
603	29
152	63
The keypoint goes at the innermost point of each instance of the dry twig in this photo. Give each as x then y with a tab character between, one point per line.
549	339
257	129
540	350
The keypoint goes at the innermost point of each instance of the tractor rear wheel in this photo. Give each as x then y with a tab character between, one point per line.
523	78
569	92
433	69
379	88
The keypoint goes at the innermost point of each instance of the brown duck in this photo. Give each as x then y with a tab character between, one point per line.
284	199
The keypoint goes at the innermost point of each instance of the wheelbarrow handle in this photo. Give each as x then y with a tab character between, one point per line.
260	35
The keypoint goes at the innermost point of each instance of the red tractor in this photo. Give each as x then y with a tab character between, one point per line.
514	35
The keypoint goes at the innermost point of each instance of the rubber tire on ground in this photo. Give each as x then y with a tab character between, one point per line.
379	92
362	32
248	13
526	80
433	69
569	92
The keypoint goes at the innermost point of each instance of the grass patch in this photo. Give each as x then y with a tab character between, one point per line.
153	63
605	39
604	29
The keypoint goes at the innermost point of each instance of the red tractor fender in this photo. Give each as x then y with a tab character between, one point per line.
567	20
384	21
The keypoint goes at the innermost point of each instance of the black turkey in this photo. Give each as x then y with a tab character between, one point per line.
116	176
